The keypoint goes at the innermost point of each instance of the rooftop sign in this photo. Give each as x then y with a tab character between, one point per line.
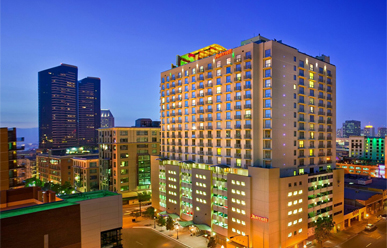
229	51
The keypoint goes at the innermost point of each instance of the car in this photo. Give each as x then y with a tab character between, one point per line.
382	216
370	227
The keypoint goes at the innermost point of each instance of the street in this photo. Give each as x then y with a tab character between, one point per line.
144	238
374	239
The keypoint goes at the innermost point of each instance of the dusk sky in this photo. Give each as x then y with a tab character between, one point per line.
129	43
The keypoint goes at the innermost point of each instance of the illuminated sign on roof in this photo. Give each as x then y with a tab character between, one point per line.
229	51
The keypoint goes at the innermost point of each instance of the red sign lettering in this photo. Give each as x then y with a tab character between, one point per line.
229	51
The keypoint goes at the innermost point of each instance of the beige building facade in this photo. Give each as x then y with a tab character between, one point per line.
124	154
246	137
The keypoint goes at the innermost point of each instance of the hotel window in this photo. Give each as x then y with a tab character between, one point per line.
268	73
228	61
186	73
267	53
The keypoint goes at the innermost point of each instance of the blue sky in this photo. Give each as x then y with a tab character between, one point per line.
128	43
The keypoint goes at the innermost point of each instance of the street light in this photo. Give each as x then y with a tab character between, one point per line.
248	239
154	222
367	218
177	231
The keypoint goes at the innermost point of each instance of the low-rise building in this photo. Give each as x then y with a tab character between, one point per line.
86	173
270	206
362	167
366	147
92	219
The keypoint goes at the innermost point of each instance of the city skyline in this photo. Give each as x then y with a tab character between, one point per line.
126	64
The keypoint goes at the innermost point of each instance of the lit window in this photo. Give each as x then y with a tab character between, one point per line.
300	220
243	233
300	192
295	193
289	204
243	183
295	202
238	221
233	209
232	199
290	213
239	232
243	193
290	194
243	212
197	208
300	210
295	211
295	222
299	201
233	219
233	229
243	203
243	223
233	191
289	235
290	223
299	231
238	183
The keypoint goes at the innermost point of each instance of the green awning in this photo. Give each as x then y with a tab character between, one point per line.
185	223
203	227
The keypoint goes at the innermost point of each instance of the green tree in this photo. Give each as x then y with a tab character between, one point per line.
135	214
169	224
143	196
30	182
323	229
161	221
150	212
211	243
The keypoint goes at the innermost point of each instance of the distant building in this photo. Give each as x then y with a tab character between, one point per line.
351	128
125	158
29	166
339	133
382	132
86	173
107	118
58	107
92	219
371	148
89	110
362	167
369	131
11	174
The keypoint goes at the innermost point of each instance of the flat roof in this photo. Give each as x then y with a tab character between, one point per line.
86	158
67	200
358	194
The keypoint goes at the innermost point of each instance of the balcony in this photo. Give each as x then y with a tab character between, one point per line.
247	67
248	116
237	79
321	105
321	121
238	136
247	86
237	60
209	162
237	155
247	57
247	126
238	146
248	146
209	93
247	77
237	97
209	110
238	126
321	113
237	88
321	138
237	107
247	96
321	97
321	129
209	153
209	127
247	156
248	106
248	136
321	88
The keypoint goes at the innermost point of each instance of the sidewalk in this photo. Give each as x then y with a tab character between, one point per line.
343	236
184	234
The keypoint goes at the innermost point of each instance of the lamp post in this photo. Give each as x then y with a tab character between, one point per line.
177	231
154	222
248	238
367	218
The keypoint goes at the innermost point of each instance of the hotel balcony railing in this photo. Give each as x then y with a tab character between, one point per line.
238	69
321	121
321	105
248	106
321	112
209	76
201	144
237	60
201	152
209	127
329	74
201	111
247	136
247	126
209	110
237	107
209	93
200	160
237	97
321	146
238	126
329	130
237	117
247	67
329	146
237	136
201	136
247	57
247	86
247	156
209	162
247	96
237	155
209	145
301	128
248	116
329	121
321	138
248	146
321	88
321	129
321	97
321	154
248	77
209	153
237	88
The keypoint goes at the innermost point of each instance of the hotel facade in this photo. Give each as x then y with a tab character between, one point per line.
246	143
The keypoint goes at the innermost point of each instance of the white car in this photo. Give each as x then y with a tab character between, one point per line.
382	216
370	227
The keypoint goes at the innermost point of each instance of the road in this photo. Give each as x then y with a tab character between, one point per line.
144	238
374	239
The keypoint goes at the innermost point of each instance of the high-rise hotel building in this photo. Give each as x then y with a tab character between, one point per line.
247	143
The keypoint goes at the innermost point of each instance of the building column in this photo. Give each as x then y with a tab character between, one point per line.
349	222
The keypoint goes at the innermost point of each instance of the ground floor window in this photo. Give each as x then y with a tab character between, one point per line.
111	238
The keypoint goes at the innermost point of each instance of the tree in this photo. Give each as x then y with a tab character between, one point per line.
30	182
161	221
135	214
169	225
144	196
211	243
150	212
323	229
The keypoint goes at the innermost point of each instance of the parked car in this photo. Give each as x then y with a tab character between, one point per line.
382	216
370	227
